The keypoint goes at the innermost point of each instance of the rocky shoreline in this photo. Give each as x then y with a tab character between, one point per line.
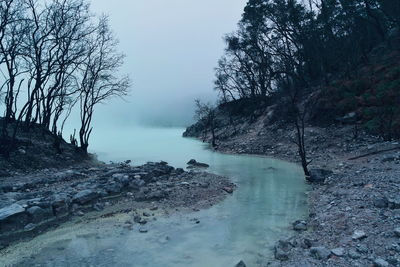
354	213
31	204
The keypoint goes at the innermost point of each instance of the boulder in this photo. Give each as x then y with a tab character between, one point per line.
282	249
194	164
300	225
318	175
37	214
10	211
84	196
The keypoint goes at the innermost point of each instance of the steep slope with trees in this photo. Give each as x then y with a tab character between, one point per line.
54	55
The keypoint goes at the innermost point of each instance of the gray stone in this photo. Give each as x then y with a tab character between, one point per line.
380	263
240	264
84	196
358	234
339	252
10	211
300	225
320	253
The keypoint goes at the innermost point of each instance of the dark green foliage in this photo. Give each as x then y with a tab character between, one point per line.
292	49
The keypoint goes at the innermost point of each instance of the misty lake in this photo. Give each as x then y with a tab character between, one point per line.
271	194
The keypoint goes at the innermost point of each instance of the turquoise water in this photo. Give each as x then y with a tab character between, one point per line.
270	195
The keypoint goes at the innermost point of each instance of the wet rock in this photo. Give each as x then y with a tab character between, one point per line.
358	234
240	264
229	190
380	263
320	253
339	252
318	175
143	230
194	163
300	225
84	196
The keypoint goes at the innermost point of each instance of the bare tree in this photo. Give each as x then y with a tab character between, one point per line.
99	82
206	113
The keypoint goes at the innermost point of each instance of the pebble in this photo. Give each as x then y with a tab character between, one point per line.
338	252
358	234
380	263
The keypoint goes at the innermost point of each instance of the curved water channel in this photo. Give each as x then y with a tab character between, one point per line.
270	195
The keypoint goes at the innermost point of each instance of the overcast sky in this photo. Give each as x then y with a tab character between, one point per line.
172	47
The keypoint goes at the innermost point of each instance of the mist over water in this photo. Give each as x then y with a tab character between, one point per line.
171	49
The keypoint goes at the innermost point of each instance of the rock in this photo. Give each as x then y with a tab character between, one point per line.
191	162
380	263
229	190
282	249
143	230
339	252
320	253
60	203
12	210
381	202
240	264
394	203
194	163
354	254
358	234
30	227
300	225
397	232
113	188
84	196
348	118
318	175
136	184
38	214
146	214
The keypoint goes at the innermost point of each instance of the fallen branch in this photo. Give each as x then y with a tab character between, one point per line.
374	153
